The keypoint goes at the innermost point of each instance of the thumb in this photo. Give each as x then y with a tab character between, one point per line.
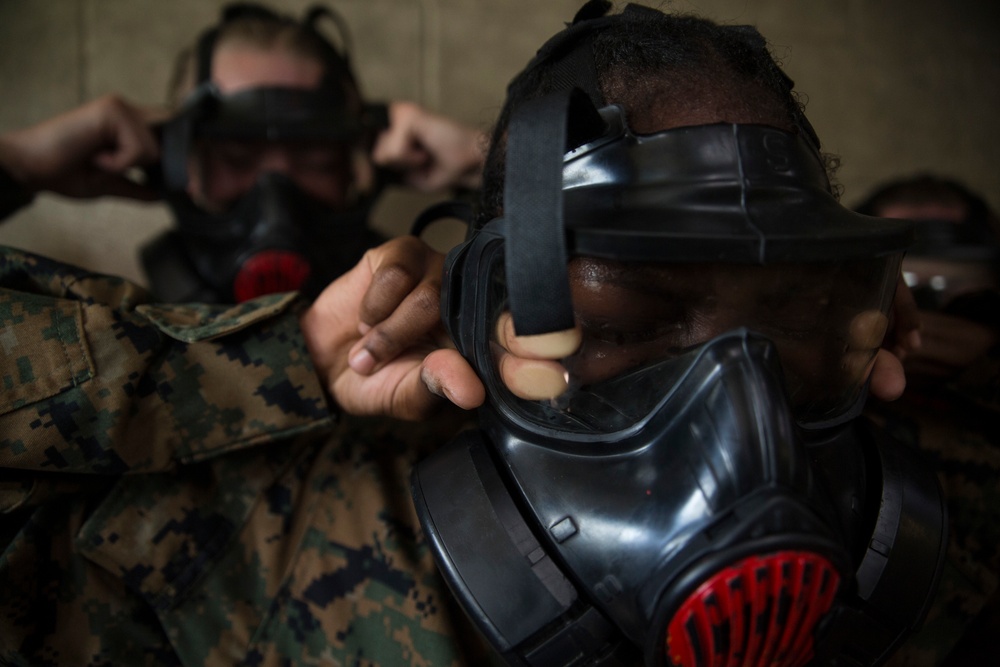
446	373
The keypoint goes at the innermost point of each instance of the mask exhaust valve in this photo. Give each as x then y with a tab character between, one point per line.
761	611
268	272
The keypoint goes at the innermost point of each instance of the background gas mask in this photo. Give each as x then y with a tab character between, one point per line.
704	492
954	263
948	271
272	235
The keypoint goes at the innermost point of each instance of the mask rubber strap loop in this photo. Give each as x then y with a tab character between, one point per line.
533	208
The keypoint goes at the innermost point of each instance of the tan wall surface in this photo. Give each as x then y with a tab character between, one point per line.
894	86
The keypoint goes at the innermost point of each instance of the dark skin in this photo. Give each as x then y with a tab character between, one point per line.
377	341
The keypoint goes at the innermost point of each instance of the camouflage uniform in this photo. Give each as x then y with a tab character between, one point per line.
957	426
175	490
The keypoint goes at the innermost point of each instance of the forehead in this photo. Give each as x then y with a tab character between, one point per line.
237	66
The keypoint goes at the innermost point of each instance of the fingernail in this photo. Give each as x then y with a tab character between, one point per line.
362	362
914	340
552	345
867	330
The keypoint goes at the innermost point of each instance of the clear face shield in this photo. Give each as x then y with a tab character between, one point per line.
312	136
640	320
225	170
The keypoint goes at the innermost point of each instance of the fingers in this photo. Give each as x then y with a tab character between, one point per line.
380	321
68	154
432	151
532	379
447	374
528	365
412	388
128	138
887	378
950	345
555	345
904	336
397	268
397	146
402	304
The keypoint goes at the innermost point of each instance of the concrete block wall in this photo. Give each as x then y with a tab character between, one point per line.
893	87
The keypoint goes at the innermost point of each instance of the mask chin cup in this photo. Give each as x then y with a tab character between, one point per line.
770	601
276	236
759	603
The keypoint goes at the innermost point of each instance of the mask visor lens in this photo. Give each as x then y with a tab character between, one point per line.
639	320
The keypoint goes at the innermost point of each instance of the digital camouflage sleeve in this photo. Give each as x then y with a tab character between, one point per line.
175	491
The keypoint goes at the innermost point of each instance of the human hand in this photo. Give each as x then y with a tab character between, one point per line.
376	338
432	151
950	345
903	336
85	152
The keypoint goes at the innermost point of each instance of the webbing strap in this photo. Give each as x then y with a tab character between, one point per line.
535	261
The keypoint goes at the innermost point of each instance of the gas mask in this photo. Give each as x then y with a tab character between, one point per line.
704	493
270	235
275	238
950	270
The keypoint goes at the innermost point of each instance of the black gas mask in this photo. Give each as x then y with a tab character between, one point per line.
953	270
274	236
704	492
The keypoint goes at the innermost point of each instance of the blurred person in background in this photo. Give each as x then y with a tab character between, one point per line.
950	409
270	161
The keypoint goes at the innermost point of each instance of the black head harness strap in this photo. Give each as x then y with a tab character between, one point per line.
541	131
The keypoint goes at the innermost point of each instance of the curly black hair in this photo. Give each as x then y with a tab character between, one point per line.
666	70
